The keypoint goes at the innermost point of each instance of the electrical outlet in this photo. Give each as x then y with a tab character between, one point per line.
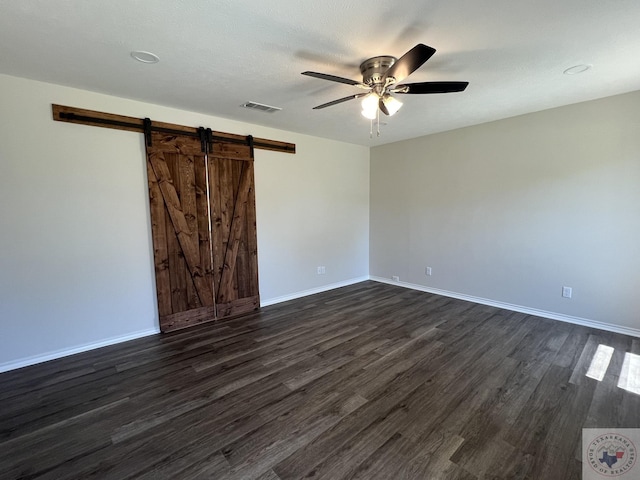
321	270
395	278
427	271
567	292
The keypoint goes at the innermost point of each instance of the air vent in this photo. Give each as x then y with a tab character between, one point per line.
261	106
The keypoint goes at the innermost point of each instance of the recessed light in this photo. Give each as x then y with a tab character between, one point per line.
576	69
145	57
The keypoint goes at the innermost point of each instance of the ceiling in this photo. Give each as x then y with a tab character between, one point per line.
215	55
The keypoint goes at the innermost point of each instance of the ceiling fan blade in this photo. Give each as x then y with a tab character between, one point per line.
333	78
383	107
340	100
431	87
409	63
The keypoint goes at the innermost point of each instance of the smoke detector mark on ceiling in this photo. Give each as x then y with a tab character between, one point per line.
261	106
145	57
577	69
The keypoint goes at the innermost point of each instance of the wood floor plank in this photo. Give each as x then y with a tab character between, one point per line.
532	425
569	354
324	446
229	418
197	463
276	440
403	458
346	461
369	381
268	475
457	376
498	460
563	434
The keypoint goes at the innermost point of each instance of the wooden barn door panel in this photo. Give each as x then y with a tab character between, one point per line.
233	217
177	174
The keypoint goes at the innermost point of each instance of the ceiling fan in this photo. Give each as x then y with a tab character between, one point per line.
380	78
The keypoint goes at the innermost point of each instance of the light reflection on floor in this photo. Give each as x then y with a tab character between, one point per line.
600	362
629	378
630	373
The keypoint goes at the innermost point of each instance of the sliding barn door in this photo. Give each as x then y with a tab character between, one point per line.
177	174
233	217
203	225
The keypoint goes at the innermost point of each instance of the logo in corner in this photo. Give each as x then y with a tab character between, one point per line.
611	454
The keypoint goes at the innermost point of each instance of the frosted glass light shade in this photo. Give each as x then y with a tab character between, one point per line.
370	106
370	114
392	104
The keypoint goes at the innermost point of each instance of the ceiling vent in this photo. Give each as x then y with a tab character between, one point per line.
261	106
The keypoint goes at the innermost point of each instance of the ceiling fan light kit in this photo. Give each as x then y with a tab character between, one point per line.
392	104
370	106
380	77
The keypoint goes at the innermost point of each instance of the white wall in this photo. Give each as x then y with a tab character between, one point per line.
511	211
506	212
76	266
313	210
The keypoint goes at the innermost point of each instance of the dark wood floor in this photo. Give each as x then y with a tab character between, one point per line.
369	381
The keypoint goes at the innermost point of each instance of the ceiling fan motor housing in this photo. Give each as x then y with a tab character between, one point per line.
374	68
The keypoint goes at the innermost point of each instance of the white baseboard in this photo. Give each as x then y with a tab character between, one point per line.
25	362
634	332
312	291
